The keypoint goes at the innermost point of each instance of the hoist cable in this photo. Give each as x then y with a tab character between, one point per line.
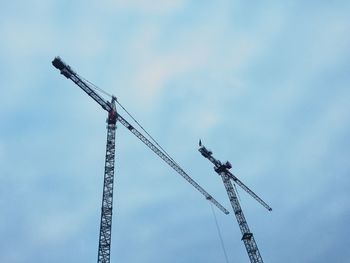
219	233
164	151
93	86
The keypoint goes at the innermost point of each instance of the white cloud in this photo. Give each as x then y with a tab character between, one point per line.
145	6
210	55
153	76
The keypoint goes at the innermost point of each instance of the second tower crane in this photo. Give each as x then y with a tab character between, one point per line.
222	169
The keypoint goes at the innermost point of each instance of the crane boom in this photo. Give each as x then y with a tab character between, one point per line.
208	154
170	162
106	105
250	192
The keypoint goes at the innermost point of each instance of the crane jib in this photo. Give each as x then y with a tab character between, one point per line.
106	105
219	167
171	163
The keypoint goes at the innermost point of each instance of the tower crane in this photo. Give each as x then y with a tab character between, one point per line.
104	245
223	170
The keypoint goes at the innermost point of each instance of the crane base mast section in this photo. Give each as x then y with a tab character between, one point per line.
247	236
104	247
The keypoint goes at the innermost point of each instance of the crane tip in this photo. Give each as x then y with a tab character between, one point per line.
200	142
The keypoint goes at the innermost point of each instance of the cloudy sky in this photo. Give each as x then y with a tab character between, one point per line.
265	85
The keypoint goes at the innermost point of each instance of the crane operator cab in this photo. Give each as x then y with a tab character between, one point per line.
112	117
112	114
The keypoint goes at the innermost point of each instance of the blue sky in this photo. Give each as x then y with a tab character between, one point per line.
265	85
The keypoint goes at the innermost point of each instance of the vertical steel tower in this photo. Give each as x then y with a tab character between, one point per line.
104	245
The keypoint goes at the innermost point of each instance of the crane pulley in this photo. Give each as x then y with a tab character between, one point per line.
113	118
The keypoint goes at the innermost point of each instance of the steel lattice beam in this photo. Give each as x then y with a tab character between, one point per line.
107	198
171	163
247	236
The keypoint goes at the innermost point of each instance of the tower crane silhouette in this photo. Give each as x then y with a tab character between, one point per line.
223	170
104	245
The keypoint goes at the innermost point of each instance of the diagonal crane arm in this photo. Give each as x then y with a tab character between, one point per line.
208	154
246	188
170	162
108	106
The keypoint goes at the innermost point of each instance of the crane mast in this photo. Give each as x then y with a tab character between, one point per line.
104	246
247	236
105	237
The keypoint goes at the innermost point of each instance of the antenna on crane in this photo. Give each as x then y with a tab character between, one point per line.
104	247
223	170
